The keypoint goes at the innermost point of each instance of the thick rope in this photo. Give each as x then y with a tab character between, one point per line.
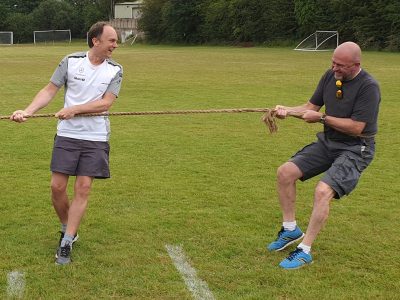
141	113
269	117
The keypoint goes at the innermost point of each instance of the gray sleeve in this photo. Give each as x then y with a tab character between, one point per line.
367	104
318	96
115	84
60	75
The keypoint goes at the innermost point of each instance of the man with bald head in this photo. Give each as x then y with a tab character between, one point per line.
342	150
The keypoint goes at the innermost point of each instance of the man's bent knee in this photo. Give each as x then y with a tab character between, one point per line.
288	172
59	183
83	186
324	191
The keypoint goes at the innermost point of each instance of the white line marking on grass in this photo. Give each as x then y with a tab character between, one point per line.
196	286
15	284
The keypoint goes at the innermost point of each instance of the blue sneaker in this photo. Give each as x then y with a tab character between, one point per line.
296	259
285	238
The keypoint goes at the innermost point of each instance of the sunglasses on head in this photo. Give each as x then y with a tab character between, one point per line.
339	92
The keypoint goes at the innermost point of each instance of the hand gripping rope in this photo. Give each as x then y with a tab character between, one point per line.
268	118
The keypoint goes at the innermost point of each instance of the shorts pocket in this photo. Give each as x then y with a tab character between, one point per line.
346	172
367	152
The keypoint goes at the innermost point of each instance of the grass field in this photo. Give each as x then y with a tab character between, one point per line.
204	182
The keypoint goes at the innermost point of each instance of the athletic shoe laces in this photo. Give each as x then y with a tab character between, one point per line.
281	232
64	251
294	253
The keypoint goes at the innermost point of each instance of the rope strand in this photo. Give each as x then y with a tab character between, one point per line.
139	113
268	118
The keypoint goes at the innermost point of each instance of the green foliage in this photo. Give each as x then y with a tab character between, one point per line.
85	13
374	24
90	15
392	15
22	27
52	14
23	17
4	11
248	25
152	20
280	21
305	11
181	21
218	21
172	21
21	6
314	15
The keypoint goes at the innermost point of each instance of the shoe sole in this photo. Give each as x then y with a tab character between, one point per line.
58	264
302	266
73	241
288	244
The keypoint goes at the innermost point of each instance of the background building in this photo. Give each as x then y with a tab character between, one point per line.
126	16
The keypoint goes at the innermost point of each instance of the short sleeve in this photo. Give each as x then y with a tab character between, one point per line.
318	96
367	105
115	84
60	74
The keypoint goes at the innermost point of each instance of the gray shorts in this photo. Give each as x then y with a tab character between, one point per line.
342	162
79	157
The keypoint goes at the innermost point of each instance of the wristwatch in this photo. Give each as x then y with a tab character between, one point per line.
322	119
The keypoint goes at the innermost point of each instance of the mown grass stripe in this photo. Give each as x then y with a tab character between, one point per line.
196	286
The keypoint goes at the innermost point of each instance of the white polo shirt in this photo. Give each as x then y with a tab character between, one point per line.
83	83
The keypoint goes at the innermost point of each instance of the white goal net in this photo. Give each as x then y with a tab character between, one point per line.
52	36
319	41
6	38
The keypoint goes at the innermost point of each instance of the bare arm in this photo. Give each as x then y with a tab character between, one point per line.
345	125
310	113
283	111
96	106
42	99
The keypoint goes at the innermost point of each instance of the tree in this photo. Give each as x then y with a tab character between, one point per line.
52	14
87	12
152	20
22	27
248	20
182	20
21	6
305	11
4	11
218	22
392	15
372	24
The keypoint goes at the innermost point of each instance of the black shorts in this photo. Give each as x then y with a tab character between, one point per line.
80	157
342	162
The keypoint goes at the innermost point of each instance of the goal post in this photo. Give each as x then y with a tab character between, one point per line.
6	38
320	40
52	36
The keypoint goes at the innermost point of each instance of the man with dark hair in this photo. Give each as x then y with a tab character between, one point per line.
343	150
92	82
95	32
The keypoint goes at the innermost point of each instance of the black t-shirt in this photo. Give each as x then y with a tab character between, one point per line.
360	102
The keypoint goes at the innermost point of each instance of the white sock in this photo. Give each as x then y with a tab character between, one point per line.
290	225
67	239
306	249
